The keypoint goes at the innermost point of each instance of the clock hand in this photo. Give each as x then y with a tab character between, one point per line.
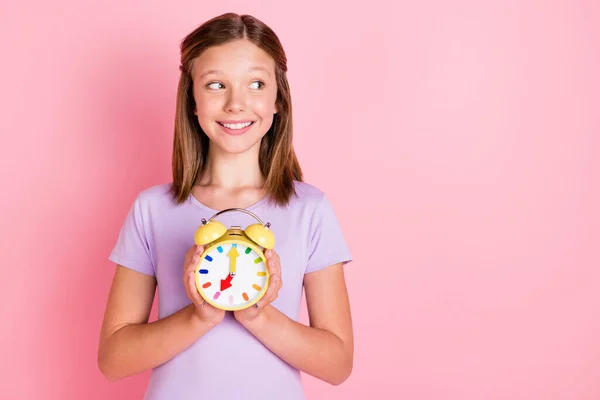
233	254
226	283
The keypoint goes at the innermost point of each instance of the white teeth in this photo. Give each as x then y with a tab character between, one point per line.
237	126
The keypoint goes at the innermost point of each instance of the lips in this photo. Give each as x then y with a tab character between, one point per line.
241	124
236	127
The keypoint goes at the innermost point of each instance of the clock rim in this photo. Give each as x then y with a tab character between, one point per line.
216	244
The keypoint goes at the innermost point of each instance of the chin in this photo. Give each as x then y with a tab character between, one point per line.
237	146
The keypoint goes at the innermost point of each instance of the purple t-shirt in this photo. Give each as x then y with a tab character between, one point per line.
228	362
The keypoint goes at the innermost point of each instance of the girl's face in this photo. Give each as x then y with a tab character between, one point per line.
235	92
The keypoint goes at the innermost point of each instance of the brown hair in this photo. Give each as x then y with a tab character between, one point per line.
277	159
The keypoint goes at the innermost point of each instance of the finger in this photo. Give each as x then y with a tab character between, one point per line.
279	274
265	301
270	254
190	253
274	269
193	263
274	255
275	274
272	290
189	277
273	266
193	291
195	249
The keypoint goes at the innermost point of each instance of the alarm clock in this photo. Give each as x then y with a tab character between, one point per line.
232	273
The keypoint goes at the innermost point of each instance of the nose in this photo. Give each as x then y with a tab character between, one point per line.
236	101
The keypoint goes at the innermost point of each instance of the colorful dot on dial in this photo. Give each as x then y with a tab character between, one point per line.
203	271
230	299
255	286
245	296
209	258
206	285
248	250
261	273
220	249
257	260
216	296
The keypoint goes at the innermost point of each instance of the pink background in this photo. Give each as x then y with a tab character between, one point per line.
458	141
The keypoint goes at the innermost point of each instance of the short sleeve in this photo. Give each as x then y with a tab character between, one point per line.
327	244
132	249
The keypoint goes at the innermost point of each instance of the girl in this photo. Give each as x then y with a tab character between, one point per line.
232	148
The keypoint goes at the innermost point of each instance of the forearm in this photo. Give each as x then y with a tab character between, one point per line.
134	348
314	351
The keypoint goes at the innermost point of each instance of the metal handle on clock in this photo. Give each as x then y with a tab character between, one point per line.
237	209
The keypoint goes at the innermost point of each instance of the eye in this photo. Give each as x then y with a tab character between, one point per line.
254	85
215	85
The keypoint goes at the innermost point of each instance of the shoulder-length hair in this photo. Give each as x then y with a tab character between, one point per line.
277	159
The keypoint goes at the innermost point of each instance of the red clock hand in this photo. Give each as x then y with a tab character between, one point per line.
226	283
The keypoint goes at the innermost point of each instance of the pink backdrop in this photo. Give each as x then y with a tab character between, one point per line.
458	141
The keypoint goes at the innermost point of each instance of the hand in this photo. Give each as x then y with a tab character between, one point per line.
274	267
203	311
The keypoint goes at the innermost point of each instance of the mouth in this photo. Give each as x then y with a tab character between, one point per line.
236	127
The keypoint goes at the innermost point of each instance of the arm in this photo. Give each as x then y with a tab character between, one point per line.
325	349
128	343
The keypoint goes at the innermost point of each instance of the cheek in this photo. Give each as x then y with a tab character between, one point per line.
206	115
207	107
264	106
264	109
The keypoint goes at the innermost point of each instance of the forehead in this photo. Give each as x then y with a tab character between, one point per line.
233	58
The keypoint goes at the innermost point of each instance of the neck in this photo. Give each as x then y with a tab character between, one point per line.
231	171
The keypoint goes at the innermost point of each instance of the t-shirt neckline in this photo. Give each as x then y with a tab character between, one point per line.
198	203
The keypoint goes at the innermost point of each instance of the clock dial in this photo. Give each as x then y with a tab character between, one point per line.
232	275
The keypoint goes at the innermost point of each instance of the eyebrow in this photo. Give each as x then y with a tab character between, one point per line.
219	72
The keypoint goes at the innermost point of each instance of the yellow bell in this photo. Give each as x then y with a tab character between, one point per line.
261	235
209	232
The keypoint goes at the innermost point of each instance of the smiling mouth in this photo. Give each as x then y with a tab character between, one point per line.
237	125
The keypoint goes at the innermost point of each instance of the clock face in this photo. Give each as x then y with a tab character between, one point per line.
232	275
